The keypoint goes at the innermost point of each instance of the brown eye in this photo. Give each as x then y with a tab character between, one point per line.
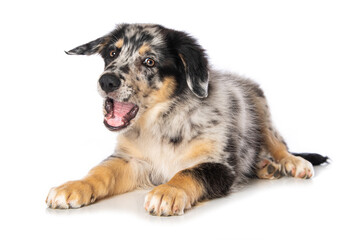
112	53
149	62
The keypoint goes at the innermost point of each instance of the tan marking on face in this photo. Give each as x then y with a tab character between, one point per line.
119	43
166	90
144	48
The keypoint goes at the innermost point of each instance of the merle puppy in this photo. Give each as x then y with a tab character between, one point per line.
188	131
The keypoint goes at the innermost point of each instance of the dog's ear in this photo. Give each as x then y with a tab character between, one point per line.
194	61
89	48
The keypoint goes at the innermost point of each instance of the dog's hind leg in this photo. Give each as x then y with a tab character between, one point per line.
275	145
290	165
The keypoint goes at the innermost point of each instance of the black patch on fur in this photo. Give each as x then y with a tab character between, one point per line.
170	67
138	40
195	67
233	138
231	147
234	104
196	130
144	37
217	112
214	122
252	139
119	33
111	67
176	140
232	160
126	99
314	158
169	110
216	178
106	54
125	69
150	79
121	77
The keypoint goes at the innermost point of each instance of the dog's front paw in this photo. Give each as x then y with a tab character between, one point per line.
74	194
167	200
297	167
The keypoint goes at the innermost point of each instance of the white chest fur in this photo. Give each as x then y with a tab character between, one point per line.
160	159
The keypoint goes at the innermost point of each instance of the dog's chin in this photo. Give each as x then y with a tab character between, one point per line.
119	115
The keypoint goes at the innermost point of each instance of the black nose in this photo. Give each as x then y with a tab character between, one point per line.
109	83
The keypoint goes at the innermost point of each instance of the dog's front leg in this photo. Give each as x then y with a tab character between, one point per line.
204	181
112	176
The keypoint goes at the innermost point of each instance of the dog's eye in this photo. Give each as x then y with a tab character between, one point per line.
149	62
113	53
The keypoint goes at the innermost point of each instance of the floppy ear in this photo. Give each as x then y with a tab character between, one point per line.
195	63
89	48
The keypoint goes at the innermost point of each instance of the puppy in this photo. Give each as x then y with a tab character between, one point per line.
188	131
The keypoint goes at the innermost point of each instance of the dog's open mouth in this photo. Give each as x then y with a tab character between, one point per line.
119	114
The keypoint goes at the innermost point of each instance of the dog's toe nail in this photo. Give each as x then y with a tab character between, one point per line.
152	211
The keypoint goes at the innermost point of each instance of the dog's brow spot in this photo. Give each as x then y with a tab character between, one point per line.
144	48
119	43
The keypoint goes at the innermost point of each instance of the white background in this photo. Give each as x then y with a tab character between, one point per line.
305	55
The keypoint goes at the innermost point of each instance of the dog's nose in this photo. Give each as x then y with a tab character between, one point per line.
109	83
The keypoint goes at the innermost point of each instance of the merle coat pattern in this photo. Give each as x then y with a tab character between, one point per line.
188	131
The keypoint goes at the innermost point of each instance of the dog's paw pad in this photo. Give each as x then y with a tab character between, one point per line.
267	169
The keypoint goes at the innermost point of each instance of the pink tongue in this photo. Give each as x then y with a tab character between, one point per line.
120	110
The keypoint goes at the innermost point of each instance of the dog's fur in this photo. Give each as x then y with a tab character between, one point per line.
198	133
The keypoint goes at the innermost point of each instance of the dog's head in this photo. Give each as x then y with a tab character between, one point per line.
145	65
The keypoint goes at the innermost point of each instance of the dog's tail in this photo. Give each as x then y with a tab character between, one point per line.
314	158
